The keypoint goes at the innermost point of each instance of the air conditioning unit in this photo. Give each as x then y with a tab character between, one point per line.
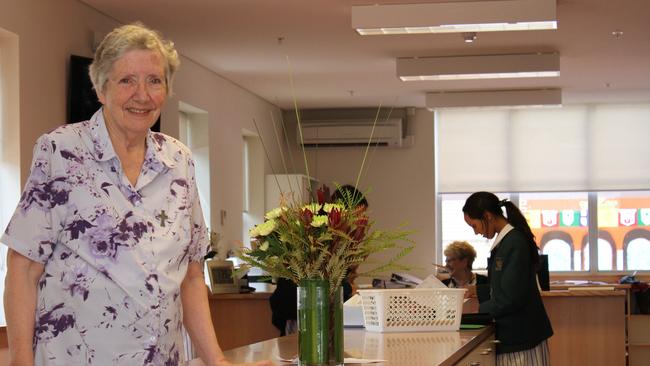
351	132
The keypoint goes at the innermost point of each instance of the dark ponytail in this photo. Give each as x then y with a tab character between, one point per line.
481	202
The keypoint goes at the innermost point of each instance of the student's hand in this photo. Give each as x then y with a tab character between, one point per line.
471	291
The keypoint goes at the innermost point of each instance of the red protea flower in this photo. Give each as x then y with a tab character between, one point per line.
323	194
358	233
360	210
334	218
306	216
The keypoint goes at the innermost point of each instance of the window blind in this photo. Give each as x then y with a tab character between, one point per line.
582	147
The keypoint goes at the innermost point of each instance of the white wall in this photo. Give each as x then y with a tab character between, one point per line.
49	31
401	186
9	132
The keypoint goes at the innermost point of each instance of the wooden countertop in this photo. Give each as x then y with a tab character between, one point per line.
234	296
586	291
567	285
398	349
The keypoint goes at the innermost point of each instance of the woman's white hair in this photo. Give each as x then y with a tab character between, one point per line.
127	38
461	250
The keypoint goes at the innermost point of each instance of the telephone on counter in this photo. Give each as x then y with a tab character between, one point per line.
222	279
405	279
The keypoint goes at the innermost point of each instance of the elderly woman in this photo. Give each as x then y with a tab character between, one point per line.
106	245
460	256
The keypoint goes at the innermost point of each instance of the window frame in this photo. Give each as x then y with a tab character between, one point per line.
593	232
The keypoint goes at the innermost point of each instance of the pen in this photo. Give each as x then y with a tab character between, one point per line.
441	267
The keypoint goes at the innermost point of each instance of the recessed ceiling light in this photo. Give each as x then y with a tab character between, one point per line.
478	67
455	17
500	75
458	28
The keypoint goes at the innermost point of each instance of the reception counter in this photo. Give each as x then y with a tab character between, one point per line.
463	347
589	326
241	319
588	323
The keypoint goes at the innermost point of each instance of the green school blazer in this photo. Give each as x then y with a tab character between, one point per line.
512	296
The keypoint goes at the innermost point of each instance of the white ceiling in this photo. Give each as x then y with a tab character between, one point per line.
334	67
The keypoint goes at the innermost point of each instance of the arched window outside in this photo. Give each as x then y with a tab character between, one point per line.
558	245
559	255
605	255
638	254
637	250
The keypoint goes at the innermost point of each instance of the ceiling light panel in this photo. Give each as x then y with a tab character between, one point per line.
455	17
478	67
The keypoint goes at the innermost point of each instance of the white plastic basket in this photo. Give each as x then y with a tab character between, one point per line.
412	310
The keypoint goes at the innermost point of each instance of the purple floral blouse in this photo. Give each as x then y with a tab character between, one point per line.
114	254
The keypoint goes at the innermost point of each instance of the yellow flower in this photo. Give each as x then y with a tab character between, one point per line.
264	246
319	220
266	227
313	207
329	206
254	231
275	213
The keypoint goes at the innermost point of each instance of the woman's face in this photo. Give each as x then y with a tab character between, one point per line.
455	264
134	92
482	227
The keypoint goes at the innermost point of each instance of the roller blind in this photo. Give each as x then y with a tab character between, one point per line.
588	147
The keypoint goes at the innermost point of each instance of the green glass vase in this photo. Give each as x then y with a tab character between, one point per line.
320	324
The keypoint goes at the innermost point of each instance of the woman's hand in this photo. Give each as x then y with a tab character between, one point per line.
21	288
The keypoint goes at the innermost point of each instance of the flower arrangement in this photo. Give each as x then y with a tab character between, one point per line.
321	240
316	245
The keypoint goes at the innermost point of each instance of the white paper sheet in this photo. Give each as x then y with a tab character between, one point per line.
431	282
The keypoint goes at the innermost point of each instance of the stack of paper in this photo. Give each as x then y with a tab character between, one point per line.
353	312
431	282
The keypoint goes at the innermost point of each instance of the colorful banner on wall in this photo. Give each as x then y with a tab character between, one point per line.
607	217
644	217
569	218
627	216
550	218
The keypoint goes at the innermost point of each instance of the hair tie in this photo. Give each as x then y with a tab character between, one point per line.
503	202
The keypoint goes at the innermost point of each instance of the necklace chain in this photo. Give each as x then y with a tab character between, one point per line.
463	283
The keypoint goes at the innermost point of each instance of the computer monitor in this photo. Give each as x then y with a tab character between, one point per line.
542	273
82	100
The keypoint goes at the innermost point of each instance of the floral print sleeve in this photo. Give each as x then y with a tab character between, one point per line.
33	229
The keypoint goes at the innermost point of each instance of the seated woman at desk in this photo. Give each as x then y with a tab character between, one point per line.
460	256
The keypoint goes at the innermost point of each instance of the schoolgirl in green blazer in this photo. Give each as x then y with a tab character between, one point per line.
512	296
